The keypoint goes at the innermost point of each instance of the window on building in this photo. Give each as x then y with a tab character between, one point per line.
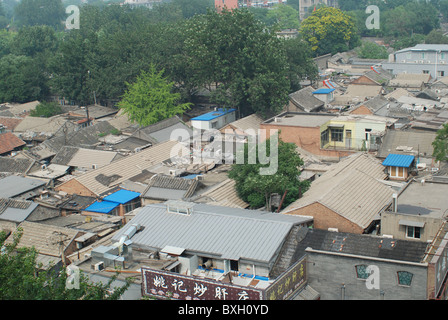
337	134
441	73
425	71
234	265
397	172
404	278
361	272
423	55
324	138
413	232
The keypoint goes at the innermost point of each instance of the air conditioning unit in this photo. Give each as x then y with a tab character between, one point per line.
98	266
333	229
173	172
277	120
94	166
44	166
421	61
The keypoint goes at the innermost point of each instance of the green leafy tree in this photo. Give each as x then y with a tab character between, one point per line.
23	79
436	37
330	30
283	17
243	65
371	50
300	63
40	12
440	144
150	99
46	110
22	278
31	41
256	188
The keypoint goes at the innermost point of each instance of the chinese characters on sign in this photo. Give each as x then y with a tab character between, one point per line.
173	285
176	286
287	283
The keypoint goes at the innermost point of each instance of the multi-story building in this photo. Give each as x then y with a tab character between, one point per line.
429	59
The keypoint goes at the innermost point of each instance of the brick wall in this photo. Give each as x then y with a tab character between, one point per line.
361	110
325	218
307	138
74	187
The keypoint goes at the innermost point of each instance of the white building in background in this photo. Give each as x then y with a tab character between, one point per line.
423	58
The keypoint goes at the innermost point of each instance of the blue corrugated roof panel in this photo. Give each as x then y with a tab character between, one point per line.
102	206
213	114
122	196
398	160
323	91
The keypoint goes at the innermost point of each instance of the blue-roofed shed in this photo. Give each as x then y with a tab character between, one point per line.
323	91
102	207
399	166
324	94
214	120
122	196
398	160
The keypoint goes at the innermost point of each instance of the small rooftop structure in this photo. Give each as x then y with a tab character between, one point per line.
398	160
122	196
213	114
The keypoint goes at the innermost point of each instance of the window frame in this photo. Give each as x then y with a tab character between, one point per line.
406	273
337	133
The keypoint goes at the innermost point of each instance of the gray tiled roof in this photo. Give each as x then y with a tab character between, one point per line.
362	245
164	187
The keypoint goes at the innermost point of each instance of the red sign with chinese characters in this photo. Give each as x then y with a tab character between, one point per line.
176	286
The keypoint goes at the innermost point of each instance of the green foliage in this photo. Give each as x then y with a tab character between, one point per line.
22	79
283	17
300	64
436	37
40	12
34	40
246	64
256	188
440	144
150	99
371	50
329	30
21	278
46	110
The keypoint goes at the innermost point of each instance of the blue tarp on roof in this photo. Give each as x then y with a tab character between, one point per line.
102	206
213	114
122	196
323	91
398	160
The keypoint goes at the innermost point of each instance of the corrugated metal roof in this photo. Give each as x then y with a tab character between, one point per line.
102	206
212	115
398	160
103	179
12	186
122	196
352	188
86	158
226	232
223	194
